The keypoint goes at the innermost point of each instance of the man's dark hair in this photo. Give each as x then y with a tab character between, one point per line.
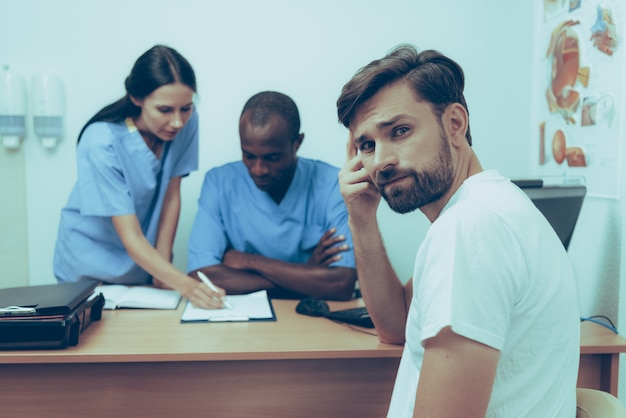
434	78
265	103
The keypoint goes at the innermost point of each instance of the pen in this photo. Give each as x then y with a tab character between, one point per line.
209	283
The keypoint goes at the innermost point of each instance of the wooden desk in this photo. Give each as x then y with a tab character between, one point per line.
145	363
599	357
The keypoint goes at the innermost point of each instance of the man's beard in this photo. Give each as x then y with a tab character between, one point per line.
426	187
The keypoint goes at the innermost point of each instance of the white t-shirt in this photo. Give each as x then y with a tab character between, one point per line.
492	268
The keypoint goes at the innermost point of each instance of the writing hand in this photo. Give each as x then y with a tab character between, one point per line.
327	250
201	296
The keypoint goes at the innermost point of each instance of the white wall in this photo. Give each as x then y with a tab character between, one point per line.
307	50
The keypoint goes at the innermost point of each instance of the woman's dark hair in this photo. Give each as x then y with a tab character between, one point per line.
434	78
158	66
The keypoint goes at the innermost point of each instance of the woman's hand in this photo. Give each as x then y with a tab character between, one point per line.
201	296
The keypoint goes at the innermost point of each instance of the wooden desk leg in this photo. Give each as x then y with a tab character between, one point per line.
599	371
610	373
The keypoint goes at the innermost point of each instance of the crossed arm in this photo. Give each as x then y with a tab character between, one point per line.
243	273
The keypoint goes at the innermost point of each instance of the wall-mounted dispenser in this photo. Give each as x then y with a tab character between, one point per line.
48	108
12	108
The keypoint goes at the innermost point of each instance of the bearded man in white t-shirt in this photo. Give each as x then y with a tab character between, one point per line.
490	319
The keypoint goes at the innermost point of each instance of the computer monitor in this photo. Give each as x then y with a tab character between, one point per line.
560	204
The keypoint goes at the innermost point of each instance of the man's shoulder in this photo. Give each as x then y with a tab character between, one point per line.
488	204
318	164
319	170
225	170
226	178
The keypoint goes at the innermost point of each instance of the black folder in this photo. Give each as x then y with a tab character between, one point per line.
52	299
47	316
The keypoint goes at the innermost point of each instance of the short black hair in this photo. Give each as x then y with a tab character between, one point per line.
434	78
265	103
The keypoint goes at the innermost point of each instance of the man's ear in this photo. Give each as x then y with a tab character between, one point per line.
455	122
298	142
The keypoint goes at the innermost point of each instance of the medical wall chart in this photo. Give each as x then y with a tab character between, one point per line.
579	93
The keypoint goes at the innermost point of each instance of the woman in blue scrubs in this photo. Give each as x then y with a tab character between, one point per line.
120	220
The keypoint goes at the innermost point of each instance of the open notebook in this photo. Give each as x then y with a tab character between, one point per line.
255	306
143	297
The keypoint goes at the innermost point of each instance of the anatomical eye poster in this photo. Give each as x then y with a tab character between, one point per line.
579	81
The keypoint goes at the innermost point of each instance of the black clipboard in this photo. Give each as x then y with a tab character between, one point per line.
252	307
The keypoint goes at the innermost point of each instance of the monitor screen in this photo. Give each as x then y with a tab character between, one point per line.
560	204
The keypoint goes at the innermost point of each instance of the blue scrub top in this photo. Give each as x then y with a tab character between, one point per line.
117	174
233	213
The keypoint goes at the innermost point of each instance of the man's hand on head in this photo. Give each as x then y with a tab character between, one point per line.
358	191
328	249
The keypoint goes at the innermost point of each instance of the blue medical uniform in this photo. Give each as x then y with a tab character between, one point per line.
234	213
117	174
